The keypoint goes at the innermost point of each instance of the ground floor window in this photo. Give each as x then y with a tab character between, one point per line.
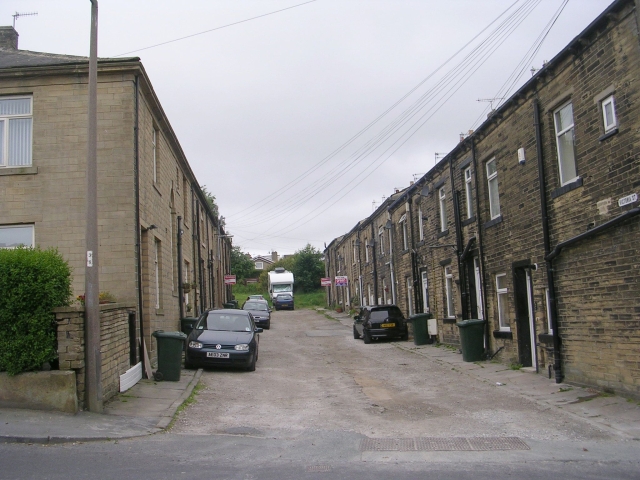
501	293
13	236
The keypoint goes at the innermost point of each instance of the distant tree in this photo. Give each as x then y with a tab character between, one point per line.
211	200
308	268
242	265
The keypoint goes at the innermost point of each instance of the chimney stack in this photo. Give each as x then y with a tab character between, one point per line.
8	38
274	256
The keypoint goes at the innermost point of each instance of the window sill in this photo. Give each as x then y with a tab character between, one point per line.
159	311
404	252
449	320
469	221
18	171
443	234
493	222
610	133
567	188
503	334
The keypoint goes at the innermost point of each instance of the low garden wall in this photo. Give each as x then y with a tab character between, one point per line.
114	345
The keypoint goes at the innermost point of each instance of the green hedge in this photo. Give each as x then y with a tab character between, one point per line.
32	283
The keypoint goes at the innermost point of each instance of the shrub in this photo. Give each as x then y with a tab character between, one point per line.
32	282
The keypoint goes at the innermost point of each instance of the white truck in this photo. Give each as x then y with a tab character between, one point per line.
280	281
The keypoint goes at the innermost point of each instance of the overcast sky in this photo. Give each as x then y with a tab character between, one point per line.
266	110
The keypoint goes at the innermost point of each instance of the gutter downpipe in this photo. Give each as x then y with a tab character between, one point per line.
483	288
180	286
375	264
557	359
360	268
136	148
414	263
461	273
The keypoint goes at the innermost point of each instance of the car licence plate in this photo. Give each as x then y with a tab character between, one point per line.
388	325
217	355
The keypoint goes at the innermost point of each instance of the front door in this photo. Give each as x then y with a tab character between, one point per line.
524	316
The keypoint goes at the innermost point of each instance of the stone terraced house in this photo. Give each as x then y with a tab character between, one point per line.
163	251
530	223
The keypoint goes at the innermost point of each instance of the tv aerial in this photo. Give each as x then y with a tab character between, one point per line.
17	15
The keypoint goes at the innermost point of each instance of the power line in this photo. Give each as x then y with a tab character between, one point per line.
213	29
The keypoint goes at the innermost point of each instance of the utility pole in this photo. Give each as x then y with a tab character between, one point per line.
93	358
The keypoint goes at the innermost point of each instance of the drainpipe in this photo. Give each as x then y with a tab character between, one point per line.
414	263
136	174
375	264
461	272
180	286
557	364
483	287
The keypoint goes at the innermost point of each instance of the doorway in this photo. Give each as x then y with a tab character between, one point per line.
523	295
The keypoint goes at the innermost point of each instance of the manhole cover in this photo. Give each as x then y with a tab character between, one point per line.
434	444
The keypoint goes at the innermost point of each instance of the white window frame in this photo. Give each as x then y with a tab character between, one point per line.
366	250
548	302
381	235
613	124
355	253
442	195
425	291
494	193
420	224
468	190
186	280
156	261
410	295
448	279
259	265
4	133
5	228
405	237
562	160
154	143
501	296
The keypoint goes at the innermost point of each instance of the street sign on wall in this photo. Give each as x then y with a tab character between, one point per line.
325	282
229	279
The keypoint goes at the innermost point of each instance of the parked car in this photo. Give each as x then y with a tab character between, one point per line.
381	321
260	311
283	300
256	297
225	337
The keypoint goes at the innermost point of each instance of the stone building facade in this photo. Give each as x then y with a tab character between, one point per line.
162	247
530	222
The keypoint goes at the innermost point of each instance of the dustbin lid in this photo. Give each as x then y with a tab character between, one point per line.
163	334
419	316
468	323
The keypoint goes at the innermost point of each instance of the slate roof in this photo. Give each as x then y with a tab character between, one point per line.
12	58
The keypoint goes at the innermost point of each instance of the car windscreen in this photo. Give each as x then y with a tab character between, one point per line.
282	288
226	322
377	315
256	306
283	297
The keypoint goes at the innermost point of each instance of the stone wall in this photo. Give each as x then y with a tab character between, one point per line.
114	345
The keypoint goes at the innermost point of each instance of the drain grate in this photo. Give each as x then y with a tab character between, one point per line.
434	444
318	468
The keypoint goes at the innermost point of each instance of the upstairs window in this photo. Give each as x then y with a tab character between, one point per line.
468	192
16	123
442	195
16	235
366	250
259	265
494	196
381	241
420	224
609	114
405	237
563	120
154	140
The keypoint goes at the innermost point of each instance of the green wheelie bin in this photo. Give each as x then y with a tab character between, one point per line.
170	346
420	331
472	339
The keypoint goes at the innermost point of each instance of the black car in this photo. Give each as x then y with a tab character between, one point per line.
260	311
382	321
283	300
226	337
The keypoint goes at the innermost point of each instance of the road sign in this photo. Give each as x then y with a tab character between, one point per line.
229	279
325	281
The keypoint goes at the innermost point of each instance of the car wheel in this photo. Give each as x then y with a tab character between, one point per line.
356	335
367	337
252	365
268	325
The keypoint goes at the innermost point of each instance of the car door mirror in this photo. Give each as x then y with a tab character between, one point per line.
259	330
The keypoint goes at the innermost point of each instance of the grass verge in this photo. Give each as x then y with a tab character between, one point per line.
191	399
